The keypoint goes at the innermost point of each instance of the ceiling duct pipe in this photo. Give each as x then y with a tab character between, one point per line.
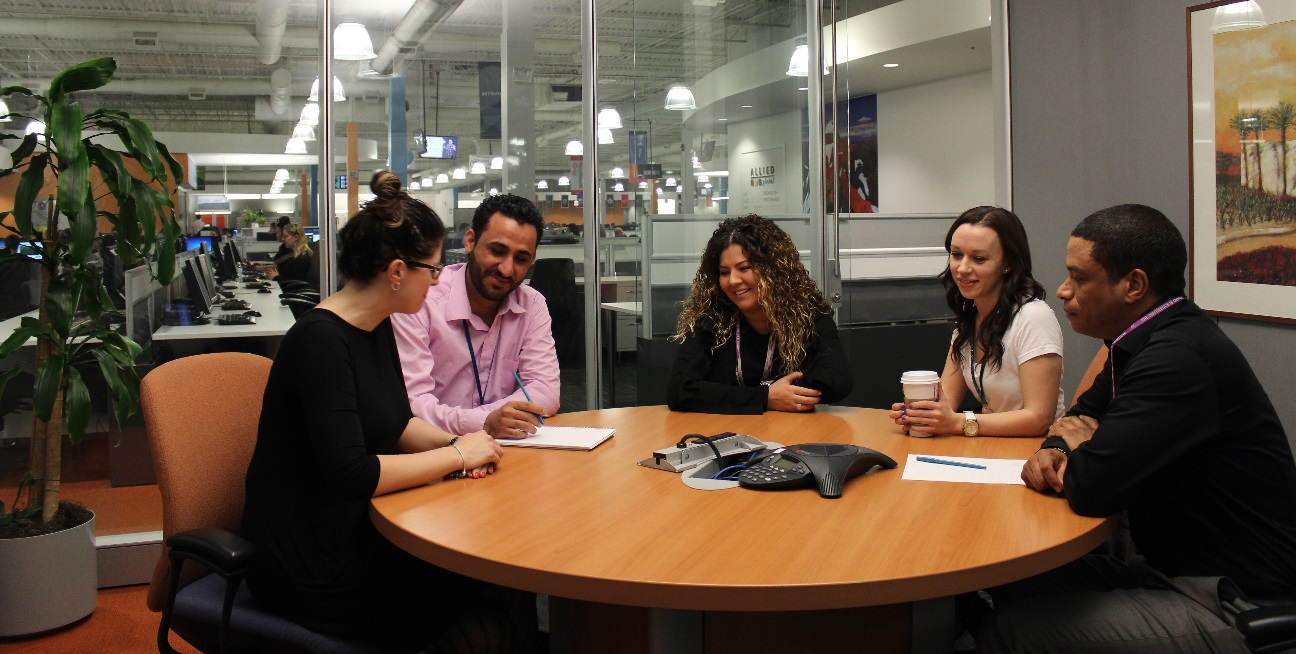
421	19
271	22
171	33
280	94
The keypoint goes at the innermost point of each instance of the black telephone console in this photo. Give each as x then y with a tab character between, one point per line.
828	465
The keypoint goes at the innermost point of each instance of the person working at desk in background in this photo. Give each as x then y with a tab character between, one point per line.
296	267
336	430
284	253
1177	432
479	326
752	290
1007	343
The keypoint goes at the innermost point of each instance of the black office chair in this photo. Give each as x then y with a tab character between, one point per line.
556	281
1269	629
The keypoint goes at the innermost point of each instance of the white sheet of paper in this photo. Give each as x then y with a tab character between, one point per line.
998	471
565	438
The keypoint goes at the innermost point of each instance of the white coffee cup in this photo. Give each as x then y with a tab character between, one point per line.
920	385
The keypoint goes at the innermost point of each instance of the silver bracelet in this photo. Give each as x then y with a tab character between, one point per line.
462	460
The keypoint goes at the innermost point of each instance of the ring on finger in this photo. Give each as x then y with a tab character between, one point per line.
798	406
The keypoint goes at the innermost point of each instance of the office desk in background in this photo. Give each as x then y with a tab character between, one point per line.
275	320
774	571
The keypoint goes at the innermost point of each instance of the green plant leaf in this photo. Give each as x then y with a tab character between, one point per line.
29	186
82	77
27	328
76	406
24	149
110	165
145	214
83	227
123	401
58	307
122	348
177	171
166	251
144	147
49	380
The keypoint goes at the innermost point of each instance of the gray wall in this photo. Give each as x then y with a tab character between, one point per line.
1100	117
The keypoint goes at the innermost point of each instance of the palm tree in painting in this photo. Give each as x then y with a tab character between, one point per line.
1259	122
1239	123
1282	118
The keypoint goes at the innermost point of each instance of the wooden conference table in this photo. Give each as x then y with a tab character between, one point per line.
597	528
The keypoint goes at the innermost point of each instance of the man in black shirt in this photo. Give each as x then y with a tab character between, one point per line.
1177	432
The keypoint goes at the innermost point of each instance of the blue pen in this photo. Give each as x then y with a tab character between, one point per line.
927	459
525	393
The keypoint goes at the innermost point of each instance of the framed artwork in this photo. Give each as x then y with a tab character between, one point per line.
854	174
1242	93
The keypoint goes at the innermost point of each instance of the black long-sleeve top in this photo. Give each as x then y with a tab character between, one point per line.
335	400
1191	447
295	268
704	378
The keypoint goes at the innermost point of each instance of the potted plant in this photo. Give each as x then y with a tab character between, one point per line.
83	180
249	217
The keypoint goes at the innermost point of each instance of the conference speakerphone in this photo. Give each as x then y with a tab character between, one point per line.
826	465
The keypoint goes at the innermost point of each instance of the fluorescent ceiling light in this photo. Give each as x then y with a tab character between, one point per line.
670	181
282	173
643	184
575	149
1238	16
564	181
278	196
295	146
542	184
618	187
891	65
4	111
605	136
497	163
680	98
478	168
414	186
494	191
36	127
243	196
351	42
617	172
442	178
608	118
460	173
426	181
339	95
310	114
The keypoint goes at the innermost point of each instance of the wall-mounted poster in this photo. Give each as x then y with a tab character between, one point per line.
851	167
759	182
1243	196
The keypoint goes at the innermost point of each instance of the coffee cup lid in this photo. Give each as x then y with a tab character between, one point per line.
919	376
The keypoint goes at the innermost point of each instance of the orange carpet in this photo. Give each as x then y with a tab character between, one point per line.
122	624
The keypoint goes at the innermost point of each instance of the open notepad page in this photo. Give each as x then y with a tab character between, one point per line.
996	471
564	438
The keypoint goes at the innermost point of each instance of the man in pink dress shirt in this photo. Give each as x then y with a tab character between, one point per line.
485	303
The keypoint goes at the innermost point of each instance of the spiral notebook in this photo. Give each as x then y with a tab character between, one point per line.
563	438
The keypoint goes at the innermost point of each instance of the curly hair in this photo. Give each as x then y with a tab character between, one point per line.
786	292
1018	287
391	226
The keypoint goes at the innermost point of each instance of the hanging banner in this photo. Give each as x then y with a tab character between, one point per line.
488	89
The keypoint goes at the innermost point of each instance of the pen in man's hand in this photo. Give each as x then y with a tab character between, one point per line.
525	393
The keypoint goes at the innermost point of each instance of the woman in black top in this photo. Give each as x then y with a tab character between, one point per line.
336	429
757	334
295	266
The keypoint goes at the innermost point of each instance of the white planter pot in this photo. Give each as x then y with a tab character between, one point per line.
47	582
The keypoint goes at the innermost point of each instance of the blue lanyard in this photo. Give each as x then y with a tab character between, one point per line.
1111	362
769	354
979	387
476	376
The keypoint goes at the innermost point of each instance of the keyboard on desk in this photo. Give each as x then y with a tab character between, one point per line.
235	319
236	305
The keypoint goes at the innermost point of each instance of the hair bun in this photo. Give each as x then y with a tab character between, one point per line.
385	184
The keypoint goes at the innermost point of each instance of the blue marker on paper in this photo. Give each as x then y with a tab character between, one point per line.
525	393
944	462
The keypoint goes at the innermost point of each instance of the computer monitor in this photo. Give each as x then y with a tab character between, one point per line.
30	248
312	233
207	279
238	254
194	286
229	262
196	242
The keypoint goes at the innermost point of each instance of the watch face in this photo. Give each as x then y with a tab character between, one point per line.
971	427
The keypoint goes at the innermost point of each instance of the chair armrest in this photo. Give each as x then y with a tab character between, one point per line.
1268	628
223	551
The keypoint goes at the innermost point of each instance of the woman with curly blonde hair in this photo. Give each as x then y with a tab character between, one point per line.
757	333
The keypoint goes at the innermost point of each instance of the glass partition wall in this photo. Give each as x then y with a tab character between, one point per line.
860	126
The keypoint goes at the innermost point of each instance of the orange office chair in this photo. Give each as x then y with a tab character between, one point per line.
1095	367
201	450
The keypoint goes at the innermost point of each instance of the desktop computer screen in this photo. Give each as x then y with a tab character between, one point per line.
229	262
30	248
195	242
194	286
312	233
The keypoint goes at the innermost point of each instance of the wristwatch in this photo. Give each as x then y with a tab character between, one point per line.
970	425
